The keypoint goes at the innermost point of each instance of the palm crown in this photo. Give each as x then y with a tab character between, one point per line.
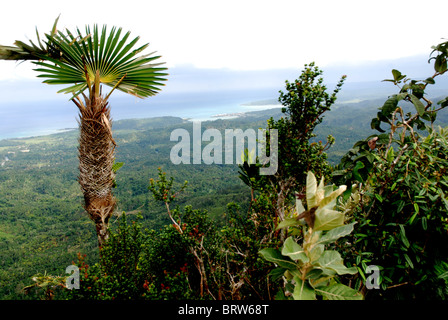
101	58
82	61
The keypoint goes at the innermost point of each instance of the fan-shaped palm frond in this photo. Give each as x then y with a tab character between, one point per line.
100	57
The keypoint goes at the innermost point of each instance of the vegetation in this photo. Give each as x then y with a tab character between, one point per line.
402	171
286	236
309	269
85	62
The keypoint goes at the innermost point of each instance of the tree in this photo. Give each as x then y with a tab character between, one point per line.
85	62
401	174
304	104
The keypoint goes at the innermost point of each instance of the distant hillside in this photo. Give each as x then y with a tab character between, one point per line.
43	225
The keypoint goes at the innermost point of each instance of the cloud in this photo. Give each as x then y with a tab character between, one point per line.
188	79
244	35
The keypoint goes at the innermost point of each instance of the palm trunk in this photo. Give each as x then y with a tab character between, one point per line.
96	158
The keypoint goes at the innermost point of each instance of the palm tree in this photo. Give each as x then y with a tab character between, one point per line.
85	62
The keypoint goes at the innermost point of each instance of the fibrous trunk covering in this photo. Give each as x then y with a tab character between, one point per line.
96	158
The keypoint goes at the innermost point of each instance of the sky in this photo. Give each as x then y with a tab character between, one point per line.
243	35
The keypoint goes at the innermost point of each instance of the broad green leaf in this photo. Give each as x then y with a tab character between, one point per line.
316	252
275	256
389	106
277	273
397	75
294	250
440	65
288	222
311	188
330	200
322	281
312	238
359	165
303	291
320	191
328	190
327	219
336	233
430	80
375	124
315	274
417	104
331	259
299	206
339	292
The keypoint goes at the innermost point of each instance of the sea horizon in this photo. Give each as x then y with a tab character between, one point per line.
26	120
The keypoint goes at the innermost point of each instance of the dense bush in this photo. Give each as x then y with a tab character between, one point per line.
402	172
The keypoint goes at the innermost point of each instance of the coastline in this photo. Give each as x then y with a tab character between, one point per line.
212	117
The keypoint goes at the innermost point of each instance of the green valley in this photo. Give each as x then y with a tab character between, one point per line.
43	225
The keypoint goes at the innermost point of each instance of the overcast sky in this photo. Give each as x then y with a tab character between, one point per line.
243	34
239	44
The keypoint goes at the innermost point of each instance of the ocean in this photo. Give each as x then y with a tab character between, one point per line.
36	118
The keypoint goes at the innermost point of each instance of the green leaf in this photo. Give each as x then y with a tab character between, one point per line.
339	292
417	104
416	208
375	124
440	65
277	273
430	80
389	106
359	165
404	239
336	233
411	220
424	223
288	222
116	166
332	260
445	202
303	291
274	256
327	219
378	197
330	200
408	260
316	252
294	250
311	188
390	155
401	205
397	75
299	206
